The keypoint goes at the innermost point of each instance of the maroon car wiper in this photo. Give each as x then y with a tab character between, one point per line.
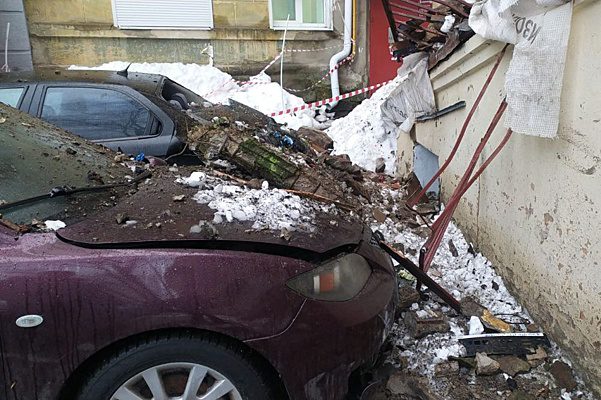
63	191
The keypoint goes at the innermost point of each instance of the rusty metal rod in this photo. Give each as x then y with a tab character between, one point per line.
391	21
422	277
418	4
414	199
400	14
440	225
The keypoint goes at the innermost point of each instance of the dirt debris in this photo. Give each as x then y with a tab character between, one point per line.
563	375
512	365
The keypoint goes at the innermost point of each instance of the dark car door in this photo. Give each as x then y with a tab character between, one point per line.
115	116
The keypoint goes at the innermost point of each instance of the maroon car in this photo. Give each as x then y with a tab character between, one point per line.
128	303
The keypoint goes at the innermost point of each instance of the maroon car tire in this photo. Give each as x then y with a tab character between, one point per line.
223	357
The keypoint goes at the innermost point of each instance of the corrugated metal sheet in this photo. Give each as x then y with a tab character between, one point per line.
163	14
19	49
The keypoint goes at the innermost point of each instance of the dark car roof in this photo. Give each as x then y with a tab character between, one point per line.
147	83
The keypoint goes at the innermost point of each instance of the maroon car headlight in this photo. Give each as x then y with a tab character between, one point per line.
337	280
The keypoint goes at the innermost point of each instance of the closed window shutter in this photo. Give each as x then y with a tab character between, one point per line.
163	14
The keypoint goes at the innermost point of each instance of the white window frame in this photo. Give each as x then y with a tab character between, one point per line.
118	25
297	23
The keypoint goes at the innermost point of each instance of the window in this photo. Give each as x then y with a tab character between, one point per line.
11	96
94	113
303	14
163	14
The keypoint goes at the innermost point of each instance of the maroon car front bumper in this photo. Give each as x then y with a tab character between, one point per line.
327	341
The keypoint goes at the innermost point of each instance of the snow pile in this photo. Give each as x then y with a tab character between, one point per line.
465	275
363	135
272	209
218	87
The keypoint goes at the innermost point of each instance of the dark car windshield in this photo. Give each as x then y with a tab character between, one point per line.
36	157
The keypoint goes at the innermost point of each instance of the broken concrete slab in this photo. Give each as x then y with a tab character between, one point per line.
424	323
471	308
537	358
407	295
486	365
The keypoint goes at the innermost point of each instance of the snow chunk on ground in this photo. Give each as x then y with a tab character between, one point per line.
218	87
362	134
195	180
54	225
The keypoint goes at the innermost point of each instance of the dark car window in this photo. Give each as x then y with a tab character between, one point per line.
95	113
11	96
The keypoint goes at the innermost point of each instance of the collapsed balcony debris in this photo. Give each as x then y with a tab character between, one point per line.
241	149
436	27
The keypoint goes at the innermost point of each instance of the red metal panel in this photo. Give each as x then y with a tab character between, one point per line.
381	67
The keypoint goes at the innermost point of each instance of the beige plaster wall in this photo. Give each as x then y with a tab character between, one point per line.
65	32
536	211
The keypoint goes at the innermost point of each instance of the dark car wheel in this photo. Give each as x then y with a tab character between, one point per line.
176	367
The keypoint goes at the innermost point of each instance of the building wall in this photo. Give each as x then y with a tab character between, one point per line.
535	212
19	50
65	32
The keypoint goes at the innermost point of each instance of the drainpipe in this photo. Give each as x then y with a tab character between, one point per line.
346	50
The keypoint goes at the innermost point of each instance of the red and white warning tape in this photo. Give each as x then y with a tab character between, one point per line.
330	72
330	100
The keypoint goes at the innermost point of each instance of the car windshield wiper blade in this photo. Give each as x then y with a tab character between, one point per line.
62	191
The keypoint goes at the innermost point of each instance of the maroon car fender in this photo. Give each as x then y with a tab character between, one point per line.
90	299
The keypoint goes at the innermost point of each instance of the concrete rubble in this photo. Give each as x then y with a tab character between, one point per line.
486	365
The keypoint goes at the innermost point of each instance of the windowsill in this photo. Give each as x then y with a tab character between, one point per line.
163	28
301	28
41	30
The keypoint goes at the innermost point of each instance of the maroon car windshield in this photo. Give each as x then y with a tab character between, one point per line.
36	158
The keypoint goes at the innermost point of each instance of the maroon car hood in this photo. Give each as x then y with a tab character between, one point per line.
162	222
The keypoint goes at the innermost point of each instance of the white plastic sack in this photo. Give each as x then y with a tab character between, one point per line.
492	20
541	30
412	98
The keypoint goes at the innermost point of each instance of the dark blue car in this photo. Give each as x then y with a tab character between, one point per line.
127	111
